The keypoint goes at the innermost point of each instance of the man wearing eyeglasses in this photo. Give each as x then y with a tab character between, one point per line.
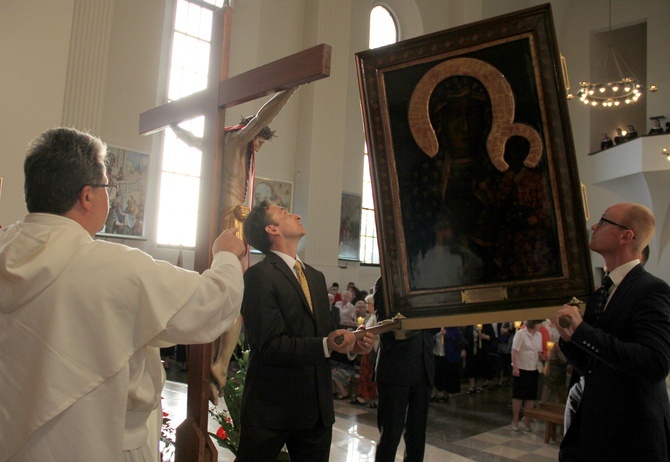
82	320
621	347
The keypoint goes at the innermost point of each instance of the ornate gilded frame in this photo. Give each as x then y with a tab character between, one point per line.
413	95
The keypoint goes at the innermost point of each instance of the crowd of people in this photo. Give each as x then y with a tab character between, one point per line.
482	356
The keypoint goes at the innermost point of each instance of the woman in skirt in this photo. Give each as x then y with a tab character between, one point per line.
526	359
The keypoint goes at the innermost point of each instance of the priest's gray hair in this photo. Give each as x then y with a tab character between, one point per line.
58	164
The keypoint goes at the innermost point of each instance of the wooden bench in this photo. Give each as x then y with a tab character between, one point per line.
552	414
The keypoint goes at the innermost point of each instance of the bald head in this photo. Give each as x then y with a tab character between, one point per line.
640	219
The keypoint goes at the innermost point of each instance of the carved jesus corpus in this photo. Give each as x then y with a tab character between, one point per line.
241	143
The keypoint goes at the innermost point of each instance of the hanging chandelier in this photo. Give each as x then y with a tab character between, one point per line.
626	89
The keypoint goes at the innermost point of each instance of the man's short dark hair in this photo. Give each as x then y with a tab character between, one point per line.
532	323
58	164
254	227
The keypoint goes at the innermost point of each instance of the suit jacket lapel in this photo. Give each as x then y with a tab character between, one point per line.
281	265
619	294
621	291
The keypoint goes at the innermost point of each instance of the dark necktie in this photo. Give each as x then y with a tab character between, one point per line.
601	296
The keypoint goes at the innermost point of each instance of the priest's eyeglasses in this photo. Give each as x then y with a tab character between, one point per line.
108	185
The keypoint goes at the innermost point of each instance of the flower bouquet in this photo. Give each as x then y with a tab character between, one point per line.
228	434
167	439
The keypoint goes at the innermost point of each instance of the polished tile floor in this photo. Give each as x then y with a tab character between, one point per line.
467	428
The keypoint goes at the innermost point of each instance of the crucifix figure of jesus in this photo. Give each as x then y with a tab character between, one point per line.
226	169
241	143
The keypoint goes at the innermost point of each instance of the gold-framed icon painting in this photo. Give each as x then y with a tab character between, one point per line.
128	174
477	196
278	192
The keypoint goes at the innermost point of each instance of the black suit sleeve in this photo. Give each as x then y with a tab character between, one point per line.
636	340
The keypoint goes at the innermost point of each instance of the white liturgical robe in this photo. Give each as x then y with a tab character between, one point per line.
81	321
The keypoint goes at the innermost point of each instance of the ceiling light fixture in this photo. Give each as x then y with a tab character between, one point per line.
624	90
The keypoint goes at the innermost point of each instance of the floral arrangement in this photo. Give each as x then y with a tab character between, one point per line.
166	444
228	434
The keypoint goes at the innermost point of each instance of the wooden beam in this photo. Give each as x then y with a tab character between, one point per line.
159	118
289	72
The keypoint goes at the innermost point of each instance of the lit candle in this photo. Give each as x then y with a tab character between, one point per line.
479	328
517	325
360	320
550	346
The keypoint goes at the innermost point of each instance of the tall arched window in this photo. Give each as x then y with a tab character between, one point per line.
383	31
180	169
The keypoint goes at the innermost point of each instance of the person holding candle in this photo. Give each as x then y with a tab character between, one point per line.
526	356
367	388
555	374
481	341
448	349
361	312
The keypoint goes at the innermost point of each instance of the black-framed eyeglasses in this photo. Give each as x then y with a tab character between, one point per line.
108	185
605	220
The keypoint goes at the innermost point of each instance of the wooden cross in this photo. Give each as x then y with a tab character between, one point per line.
222	92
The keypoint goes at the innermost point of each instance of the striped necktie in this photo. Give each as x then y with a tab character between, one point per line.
303	283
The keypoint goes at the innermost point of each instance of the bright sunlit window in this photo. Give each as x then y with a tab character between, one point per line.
383	31
369	250
180	170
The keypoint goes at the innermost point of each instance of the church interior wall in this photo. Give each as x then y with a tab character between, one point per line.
629	41
658	64
132	63
33	87
338	152
320	133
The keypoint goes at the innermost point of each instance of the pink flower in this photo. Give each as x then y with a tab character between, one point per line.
228	419
221	433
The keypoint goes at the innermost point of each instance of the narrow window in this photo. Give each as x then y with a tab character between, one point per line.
180	169
383	31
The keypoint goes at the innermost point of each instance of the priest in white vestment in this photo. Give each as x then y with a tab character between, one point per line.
82	320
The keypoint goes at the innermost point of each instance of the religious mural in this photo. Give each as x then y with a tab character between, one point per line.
127	172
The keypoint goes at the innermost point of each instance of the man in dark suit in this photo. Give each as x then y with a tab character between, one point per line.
288	396
622	349
405	375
